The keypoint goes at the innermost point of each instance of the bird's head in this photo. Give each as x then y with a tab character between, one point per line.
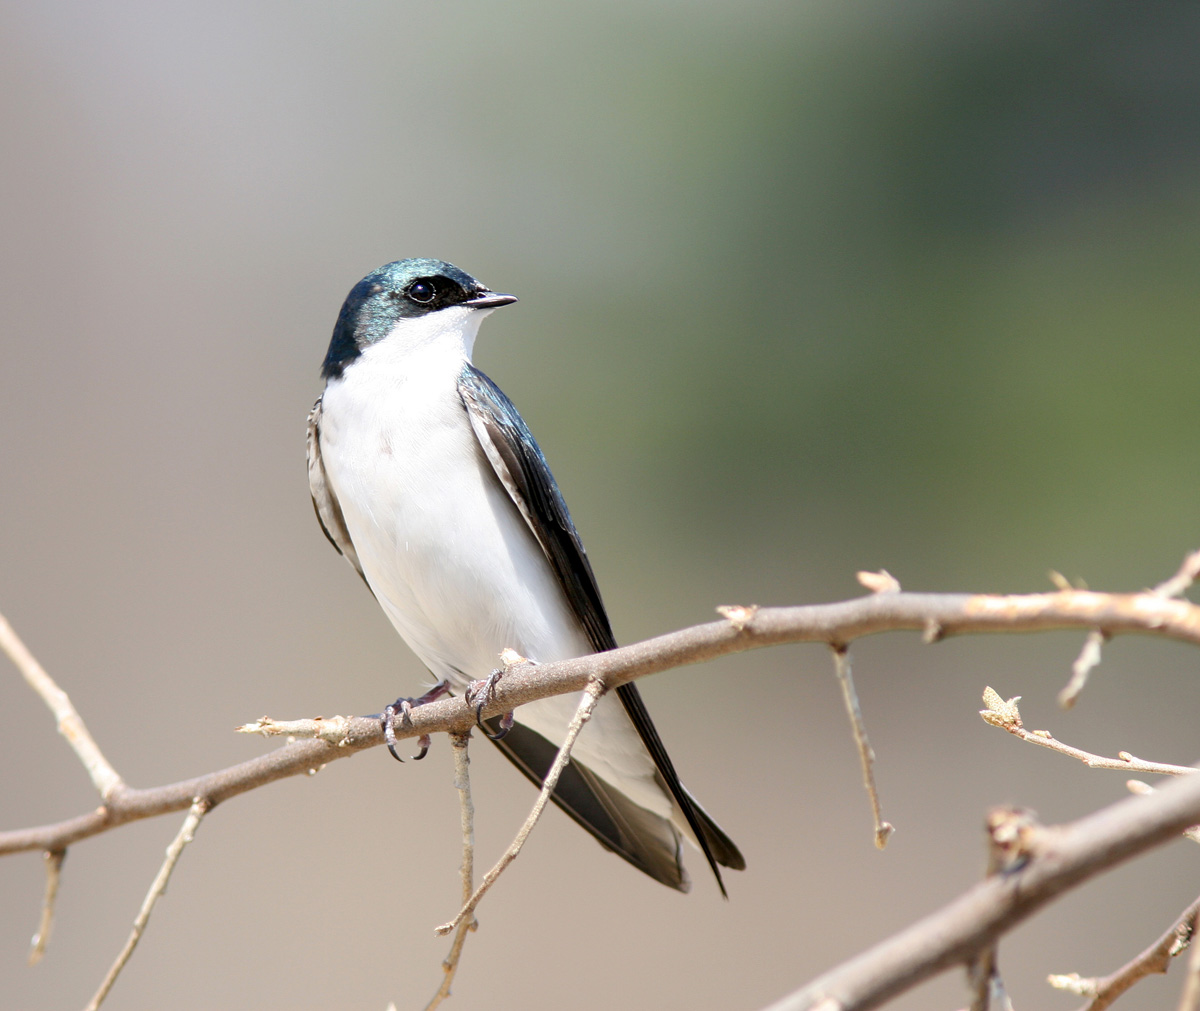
419	298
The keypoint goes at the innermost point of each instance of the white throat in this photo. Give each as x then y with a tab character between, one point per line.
449	332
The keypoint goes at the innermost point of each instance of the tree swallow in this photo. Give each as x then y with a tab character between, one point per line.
428	481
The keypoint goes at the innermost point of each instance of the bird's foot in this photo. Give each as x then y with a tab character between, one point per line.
479	694
403	708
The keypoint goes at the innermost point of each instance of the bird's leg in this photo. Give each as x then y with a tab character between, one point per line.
479	694
404	708
482	691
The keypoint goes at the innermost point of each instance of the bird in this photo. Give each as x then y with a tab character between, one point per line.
428	481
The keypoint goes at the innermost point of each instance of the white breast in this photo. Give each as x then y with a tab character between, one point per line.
452	562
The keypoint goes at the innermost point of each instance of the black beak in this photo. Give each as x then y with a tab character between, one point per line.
490	300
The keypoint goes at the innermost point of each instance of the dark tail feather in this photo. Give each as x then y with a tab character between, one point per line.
717	846
724	851
647	841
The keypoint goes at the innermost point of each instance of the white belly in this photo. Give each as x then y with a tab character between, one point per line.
445	551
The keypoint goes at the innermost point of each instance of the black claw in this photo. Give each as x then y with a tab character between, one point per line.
388	721
506	724
405	707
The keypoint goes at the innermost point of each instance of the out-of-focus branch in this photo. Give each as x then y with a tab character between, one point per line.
1060	858
936	615
1085	663
1188	573
1155	959
1012	836
1089	655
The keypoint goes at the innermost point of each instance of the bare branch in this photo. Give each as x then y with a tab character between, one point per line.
944	614
1156	959
866	754
1004	714
1063	857
54	861
980	916
70	723
462	783
186	831
591	695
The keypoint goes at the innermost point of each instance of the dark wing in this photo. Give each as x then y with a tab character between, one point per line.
522	469
325	503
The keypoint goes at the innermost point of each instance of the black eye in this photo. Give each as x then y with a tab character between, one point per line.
421	292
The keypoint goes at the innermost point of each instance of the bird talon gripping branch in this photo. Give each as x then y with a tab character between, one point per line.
404	707
479	693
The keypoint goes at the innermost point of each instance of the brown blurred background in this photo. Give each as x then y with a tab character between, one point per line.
805	288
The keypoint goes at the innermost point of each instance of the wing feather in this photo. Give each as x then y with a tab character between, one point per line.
522	470
325	503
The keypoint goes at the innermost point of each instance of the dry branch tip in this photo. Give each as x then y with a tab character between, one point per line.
879	582
330	729
1059	581
1072	982
738	615
54	861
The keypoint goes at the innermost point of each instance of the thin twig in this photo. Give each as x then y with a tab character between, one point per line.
866	755
1105	990
462	783
1085	663
54	861
591	695
70	723
1005	715
186	831
1188	573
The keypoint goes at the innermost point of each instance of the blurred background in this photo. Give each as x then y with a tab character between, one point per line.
806	288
